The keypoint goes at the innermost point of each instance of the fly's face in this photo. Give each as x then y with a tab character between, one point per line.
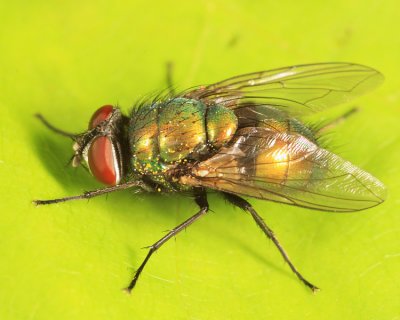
100	148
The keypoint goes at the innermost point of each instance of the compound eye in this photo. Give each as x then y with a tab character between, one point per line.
103	113
103	161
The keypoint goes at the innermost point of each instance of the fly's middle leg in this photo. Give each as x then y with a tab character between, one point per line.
201	200
169	78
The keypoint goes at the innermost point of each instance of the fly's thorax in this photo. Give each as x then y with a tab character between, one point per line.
222	124
143	139
181	125
177	131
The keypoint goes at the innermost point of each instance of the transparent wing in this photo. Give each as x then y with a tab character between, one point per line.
297	90
290	169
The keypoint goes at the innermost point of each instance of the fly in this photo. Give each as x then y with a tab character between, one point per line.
242	137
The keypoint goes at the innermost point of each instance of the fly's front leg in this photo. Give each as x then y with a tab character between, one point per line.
54	129
90	194
246	206
201	200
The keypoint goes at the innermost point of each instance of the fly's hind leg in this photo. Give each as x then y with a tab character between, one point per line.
335	122
201	200
246	206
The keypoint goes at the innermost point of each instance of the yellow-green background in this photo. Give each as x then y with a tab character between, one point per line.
69	261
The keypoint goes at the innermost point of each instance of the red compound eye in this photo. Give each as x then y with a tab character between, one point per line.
100	115
102	161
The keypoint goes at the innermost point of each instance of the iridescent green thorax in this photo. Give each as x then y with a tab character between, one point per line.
181	125
179	130
221	125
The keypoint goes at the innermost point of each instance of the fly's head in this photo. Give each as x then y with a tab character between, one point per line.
101	147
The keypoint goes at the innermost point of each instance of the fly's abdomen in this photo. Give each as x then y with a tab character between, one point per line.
178	130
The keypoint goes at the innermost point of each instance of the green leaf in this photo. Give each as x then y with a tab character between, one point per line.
69	261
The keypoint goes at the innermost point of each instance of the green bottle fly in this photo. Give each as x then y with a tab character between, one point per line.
243	136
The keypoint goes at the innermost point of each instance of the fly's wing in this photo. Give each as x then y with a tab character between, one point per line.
290	169
297	90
